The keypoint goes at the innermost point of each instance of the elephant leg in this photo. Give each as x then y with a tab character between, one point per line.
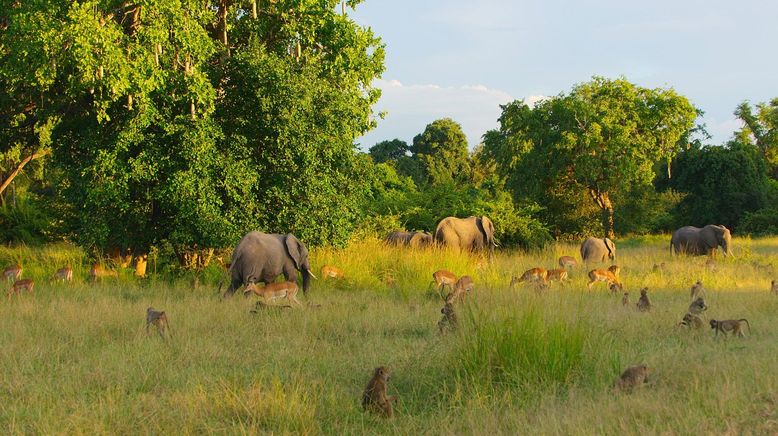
234	285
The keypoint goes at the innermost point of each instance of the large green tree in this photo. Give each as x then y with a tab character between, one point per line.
604	136
441	151
193	121
761	129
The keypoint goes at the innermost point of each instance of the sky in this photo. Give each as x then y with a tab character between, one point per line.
463	59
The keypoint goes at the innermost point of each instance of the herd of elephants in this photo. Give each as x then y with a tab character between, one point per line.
262	257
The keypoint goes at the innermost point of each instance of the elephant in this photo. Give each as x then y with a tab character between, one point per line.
598	250
410	239
698	241
261	257
471	234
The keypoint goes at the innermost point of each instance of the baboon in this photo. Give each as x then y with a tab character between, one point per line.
64	274
449	319
534	275
644	304
462	287
698	306
374	398
602	275
12	272
710	264
442	278
660	267
272	291
774	287
159	320
697	290
632	377
21	285
568	261
733	325
625	299
692	321
329	271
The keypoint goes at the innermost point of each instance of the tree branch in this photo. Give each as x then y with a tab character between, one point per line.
19	167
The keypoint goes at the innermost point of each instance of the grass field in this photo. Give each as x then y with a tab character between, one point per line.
76	359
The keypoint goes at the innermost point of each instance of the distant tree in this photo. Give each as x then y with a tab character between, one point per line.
721	183
385	151
442	151
761	128
603	137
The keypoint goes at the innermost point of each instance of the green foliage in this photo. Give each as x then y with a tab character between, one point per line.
721	183
24	222
602	138
389	150
168	134
509	351
761	129
442	152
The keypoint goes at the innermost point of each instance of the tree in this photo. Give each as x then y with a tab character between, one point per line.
442	152
194	122
761	129
385	151
721	183
603	137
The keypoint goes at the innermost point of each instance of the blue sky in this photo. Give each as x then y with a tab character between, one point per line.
462	59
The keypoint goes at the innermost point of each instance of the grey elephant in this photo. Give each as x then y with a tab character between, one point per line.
410	239
698	241
469	234
262	257
598	250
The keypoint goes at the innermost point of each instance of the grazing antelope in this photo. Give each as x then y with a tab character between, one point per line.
463	286
558	275
272	291
331	272
64	274
604	275
98	272
442	278
567	261
12	272
535	275
21	285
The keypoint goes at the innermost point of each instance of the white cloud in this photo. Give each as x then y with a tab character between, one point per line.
411	107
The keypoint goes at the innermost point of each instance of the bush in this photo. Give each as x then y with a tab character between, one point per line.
763	222
24	223
506	350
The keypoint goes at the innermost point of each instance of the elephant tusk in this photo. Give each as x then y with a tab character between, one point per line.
312	274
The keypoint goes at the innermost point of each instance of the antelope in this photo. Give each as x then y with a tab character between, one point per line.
532	275
568	261
443	278
98	272
332	272
12	272
603	275
65	274
19	285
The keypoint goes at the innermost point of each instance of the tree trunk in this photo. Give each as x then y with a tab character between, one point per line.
223	11
19	167
603	201
254	9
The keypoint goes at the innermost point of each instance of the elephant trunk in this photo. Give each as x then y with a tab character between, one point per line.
306	279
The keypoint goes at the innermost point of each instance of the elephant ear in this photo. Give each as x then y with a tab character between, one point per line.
295	249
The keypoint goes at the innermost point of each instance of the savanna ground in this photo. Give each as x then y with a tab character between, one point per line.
76	359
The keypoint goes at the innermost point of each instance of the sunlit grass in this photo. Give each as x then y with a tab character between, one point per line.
76	357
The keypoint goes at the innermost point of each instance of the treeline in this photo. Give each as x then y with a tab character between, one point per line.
134	124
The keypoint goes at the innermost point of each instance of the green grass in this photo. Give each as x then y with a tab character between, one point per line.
76	358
